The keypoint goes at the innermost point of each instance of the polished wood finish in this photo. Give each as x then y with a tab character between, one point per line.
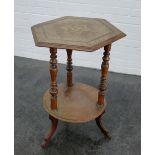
53	72
51	131
101	127
76	104
69	68
104	73
77	33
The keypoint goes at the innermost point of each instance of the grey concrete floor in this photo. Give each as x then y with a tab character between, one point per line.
122	118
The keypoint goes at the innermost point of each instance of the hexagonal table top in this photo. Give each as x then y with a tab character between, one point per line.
77	33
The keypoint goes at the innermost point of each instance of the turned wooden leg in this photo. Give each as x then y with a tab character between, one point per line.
69	68
51	131
101	127
53	72
104	73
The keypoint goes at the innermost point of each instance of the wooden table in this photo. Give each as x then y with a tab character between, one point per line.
75	102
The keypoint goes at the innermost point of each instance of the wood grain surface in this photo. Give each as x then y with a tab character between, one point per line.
75	104
77	33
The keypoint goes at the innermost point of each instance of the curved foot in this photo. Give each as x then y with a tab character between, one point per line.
101	127
51	131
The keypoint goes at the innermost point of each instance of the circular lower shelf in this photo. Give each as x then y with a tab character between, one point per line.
75	104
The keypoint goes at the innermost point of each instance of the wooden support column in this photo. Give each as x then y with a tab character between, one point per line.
53	73
69	68
104	73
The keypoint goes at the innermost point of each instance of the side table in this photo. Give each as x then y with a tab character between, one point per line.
75	102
